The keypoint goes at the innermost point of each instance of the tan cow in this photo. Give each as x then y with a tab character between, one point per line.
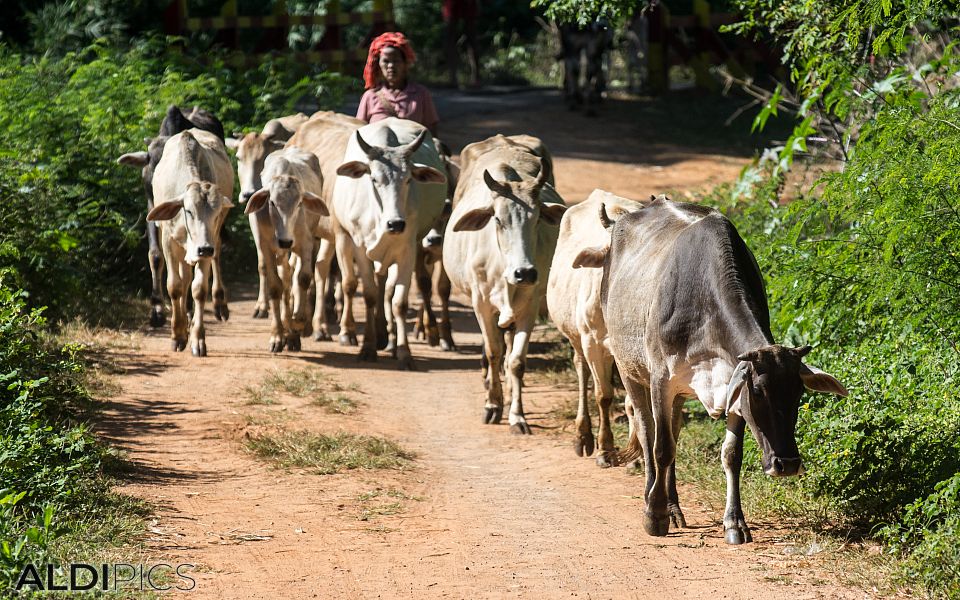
573	298
291	189
497	249
252	150
325	135
192	185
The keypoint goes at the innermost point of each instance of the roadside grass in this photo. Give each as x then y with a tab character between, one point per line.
321	390
327	454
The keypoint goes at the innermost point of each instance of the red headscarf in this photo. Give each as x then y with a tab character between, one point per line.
390	38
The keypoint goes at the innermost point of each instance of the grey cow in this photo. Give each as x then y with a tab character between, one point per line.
686	311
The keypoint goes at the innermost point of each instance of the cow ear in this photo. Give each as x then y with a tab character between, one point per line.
591	258
428	175
257	201
166	210
354	169
134	159
731	401
818	381
226	202
232	143
551	212
313	203
474	220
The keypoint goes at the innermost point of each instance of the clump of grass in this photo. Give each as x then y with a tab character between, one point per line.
303	383
327	454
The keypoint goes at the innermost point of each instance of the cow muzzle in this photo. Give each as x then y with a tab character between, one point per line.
244	196
525	276
433	241
396	225
285	244
785	467
205	251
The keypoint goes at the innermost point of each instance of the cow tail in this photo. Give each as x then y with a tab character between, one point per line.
632	452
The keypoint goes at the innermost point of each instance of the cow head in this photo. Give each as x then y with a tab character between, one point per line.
390	171
765	390
201	204
515	209
146	161
252	150
286	199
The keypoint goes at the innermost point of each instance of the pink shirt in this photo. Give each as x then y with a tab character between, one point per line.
413	102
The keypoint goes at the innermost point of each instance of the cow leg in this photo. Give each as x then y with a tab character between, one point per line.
516	366
323	282
285	268
639	395
176	288
303	268
656	520
425	285
386	286
601	368
220	309
273	288
157	318
492	353
198	334
368	351
443	290
261	309
401	291
348	283
673	499
585	443
731	455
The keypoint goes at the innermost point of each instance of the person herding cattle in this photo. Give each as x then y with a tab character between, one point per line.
389	90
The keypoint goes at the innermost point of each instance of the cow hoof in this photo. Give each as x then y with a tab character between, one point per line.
178	345
406	363
676	517
607	459
634	465
657	526
157	318
391	347
520	428
276	345
447	345
736	536
293	342
199	349
307	330
368	354
433	336
321	336
493	415
382	342
348	339
261	313
221	312
584	444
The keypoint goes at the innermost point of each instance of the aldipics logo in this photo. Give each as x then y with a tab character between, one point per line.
81	577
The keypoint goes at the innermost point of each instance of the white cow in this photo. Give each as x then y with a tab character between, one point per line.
573	298
325	135
497	249
252	150
288	215
391	188
192	185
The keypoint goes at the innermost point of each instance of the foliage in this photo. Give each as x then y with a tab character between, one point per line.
73	218
327	454
20	545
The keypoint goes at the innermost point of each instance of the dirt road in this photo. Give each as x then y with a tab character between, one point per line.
480	513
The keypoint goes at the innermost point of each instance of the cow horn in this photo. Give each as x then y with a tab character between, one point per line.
802	351
367	148
749	356
413	146
605	219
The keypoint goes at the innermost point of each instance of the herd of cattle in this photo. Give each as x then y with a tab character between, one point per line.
668	292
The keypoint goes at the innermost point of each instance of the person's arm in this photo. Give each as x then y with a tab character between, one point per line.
363	111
